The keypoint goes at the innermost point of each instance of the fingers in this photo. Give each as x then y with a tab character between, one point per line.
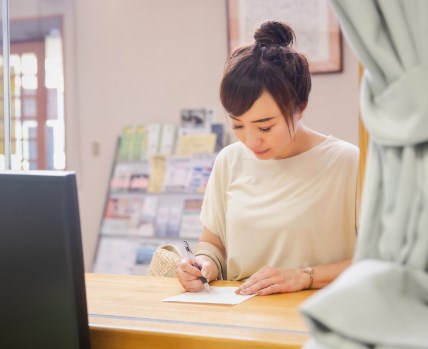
256	286
255	282
270	280
189	276
266	281
192	286
208	269
187	267
275	288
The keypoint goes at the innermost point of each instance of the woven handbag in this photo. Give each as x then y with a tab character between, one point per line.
165	260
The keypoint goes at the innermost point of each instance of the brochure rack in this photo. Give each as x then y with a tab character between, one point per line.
154	197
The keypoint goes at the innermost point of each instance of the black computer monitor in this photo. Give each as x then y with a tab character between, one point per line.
42	286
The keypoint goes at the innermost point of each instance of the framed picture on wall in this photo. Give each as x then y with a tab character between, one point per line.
317	30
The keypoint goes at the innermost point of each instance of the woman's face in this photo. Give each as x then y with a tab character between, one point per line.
264	130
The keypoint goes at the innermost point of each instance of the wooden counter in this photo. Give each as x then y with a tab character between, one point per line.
126	312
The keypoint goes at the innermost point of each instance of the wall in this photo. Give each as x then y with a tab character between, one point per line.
334	101
138	61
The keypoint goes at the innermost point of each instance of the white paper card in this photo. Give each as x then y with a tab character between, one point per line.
215	295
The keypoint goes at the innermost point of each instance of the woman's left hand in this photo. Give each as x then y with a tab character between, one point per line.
270	280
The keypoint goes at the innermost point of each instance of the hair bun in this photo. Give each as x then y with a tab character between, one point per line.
274	33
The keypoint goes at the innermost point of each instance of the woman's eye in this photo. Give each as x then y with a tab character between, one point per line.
267	129
237	127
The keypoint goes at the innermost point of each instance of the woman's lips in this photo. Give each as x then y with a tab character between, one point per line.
261	152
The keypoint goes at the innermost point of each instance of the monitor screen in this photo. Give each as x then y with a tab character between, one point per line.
42	286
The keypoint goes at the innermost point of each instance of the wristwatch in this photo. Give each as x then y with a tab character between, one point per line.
310	272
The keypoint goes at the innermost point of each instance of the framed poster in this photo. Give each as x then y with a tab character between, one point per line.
317	30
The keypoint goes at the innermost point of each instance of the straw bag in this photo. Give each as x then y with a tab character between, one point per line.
165	260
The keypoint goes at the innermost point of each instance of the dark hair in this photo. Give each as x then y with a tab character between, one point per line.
270	64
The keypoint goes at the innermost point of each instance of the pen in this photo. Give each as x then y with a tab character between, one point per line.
191	255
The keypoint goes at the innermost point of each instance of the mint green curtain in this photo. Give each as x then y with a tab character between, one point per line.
381	301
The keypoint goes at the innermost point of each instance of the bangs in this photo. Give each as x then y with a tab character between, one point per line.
241	86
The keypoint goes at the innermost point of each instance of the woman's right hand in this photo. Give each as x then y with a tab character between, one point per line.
189	276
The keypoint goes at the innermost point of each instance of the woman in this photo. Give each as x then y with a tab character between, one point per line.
280	207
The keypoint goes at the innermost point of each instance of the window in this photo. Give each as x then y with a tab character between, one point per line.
37	105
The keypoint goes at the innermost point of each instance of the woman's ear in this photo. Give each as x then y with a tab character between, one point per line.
298	115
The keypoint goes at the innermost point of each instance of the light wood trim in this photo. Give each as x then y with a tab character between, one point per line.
118	338
127	312
363	144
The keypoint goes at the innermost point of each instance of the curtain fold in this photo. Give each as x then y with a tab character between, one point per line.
382	299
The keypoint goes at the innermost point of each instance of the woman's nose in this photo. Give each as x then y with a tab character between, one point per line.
252	141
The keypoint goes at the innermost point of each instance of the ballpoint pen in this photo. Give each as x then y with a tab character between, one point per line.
192	258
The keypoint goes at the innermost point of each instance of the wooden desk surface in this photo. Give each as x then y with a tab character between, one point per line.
127	312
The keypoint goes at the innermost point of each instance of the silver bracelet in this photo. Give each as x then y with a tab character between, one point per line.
310	272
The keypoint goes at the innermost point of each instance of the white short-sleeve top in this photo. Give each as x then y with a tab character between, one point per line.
288	213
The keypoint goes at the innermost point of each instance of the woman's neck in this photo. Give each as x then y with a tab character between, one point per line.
304	139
